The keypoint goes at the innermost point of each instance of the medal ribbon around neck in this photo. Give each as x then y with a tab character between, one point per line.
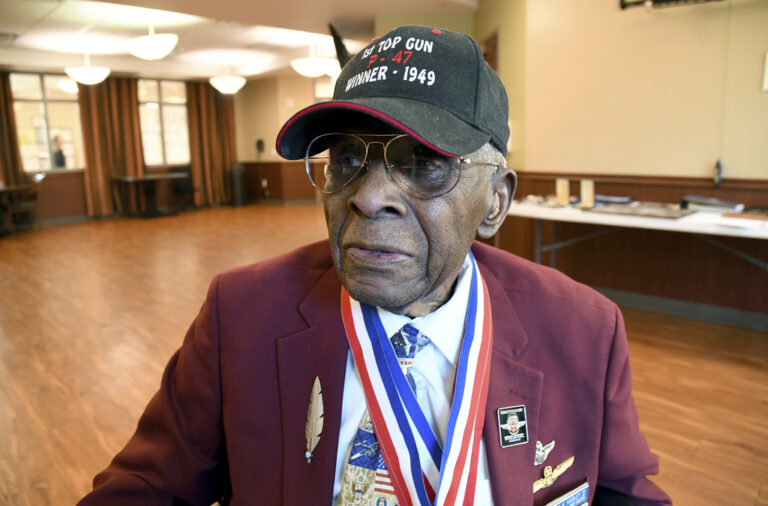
409	447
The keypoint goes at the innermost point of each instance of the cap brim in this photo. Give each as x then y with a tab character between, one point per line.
429	124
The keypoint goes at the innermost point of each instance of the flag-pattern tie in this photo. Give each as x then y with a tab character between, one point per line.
366	481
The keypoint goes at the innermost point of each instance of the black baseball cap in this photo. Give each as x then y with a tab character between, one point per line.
429	83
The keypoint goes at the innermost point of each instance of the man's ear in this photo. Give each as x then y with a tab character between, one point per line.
503	184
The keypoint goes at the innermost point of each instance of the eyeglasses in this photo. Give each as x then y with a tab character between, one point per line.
415	167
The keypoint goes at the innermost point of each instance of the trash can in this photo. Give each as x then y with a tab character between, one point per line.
237	183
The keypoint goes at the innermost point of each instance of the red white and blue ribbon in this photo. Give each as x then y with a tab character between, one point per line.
422	473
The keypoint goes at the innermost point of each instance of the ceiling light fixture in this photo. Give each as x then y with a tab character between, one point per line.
333	69
67	86
227	84
154	46
87	74
315	66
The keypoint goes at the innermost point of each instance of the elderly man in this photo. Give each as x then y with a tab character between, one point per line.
406	364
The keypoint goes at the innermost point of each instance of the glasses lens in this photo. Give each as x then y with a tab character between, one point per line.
334	159
420	169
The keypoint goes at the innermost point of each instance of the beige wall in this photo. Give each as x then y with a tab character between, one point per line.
594	89
294	92
745	135
255	118
463	23
261	108
506	18
647	92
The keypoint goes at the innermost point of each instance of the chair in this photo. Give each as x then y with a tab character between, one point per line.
27	204
183	189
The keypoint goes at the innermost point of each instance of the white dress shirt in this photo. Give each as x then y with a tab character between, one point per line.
433	371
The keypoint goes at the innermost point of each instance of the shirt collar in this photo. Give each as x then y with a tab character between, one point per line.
444	326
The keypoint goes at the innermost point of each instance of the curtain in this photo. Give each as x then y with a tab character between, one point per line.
11	170
211	141
109	114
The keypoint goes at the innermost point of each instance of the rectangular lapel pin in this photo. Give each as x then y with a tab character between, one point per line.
577	497
513	427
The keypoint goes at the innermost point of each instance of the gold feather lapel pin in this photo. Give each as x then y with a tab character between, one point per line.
314	419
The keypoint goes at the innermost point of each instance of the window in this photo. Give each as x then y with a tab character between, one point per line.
163	115
47	121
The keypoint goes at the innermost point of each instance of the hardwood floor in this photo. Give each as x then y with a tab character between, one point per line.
702	394
91	312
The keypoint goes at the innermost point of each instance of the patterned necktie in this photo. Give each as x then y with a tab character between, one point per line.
366	481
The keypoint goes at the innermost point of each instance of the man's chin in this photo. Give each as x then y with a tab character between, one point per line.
386	297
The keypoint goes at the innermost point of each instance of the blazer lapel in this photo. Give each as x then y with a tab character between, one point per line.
317	352
512	471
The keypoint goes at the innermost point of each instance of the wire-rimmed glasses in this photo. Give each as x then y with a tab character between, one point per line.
415	167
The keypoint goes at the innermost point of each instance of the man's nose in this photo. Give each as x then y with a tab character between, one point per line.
375	193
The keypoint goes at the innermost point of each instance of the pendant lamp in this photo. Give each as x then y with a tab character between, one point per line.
87	74
316	66
227	84
67	86
154	46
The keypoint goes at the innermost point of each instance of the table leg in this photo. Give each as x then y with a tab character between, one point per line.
150	198
6	224
749	258
553	258
123	196
538	241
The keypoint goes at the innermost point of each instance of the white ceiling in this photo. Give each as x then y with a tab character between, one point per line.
215	37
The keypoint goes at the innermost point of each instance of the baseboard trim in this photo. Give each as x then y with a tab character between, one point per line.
686	309
63	220
285	203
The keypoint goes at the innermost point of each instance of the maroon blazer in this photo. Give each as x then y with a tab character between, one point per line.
230	414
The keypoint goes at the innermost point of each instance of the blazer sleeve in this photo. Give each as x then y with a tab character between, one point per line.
625	458
177	452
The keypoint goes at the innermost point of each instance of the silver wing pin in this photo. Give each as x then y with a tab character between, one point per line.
542	452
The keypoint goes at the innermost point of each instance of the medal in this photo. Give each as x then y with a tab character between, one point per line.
413	456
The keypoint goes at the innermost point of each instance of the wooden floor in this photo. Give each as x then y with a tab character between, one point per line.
90	313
